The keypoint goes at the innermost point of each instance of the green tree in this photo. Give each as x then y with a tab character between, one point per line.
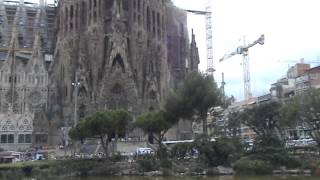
101	125
267	121
121	120
199	93
233	123
156	124
263	119
221	151
78	133
304	109
311	113
227	101
174	105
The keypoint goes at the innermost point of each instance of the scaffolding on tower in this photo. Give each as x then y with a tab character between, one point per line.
209	39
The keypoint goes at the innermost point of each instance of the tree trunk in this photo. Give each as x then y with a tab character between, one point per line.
161	150
204	123
115	145
105	146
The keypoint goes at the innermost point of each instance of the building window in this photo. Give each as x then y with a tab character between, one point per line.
139	6
27	138
7	138
4	139
99	7
153	23
158	26
24	138
77	17
21	138
108	4
148	19
313	76
163	28
95	16
71	18
66	19
20	39
134	5
10	138
83	14
125	5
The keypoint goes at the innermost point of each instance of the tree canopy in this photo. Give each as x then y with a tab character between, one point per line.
304	109
198	93
264	119
156	124
102	125
233	123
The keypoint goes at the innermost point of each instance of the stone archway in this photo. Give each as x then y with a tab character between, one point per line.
118	97
118	63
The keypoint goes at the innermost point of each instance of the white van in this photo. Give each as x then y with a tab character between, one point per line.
144	151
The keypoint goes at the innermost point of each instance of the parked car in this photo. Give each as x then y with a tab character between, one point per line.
303	142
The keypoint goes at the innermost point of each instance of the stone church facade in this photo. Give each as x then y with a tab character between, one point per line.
25	44
107	54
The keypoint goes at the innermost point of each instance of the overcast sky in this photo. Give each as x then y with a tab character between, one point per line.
291	29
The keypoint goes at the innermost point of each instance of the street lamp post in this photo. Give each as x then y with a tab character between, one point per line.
76	85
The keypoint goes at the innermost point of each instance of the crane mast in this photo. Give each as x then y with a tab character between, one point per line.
244	51
209	40
210	66
246	74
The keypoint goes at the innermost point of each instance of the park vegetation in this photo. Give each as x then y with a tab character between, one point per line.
192	101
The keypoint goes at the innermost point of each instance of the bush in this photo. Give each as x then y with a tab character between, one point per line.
252	167
147	163
223	151
272	149
27	170
307	165
181	150
117	157
166	163
162	153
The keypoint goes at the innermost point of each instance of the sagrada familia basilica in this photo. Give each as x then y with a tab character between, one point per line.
62	62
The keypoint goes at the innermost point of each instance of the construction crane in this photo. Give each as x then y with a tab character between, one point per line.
244	51
208	15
